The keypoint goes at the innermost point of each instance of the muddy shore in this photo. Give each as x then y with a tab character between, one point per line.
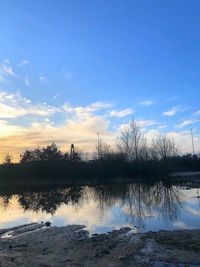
41	245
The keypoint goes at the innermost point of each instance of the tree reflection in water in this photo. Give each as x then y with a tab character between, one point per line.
140	201
137	201
50	201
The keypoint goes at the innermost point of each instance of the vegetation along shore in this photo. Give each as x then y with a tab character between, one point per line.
133	158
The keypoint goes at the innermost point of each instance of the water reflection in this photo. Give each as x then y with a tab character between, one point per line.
141	201
49	201
137	202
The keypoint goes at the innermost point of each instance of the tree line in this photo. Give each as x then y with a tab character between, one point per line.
131	146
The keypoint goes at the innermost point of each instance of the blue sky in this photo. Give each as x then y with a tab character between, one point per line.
133	58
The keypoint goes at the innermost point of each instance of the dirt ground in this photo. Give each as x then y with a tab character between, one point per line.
40	245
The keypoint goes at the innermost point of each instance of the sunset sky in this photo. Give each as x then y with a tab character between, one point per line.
72	68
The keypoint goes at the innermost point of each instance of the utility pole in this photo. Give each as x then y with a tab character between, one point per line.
98	144
192	142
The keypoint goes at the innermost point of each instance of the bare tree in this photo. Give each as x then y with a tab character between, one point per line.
103	150
7	159
132	142
164	147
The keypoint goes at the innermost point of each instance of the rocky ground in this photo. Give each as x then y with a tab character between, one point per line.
41	245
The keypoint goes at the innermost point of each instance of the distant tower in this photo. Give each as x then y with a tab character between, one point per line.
72	151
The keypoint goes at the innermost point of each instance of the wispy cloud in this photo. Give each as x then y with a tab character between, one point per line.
42	78
24	62
6	61
197	112
146	102
173	111
145	123
55	96
121	113
14	106
86	111
163	126
173	98
187	123
27	81
8	70
1	77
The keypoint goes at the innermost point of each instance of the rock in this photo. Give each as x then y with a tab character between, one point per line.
48	224
102	252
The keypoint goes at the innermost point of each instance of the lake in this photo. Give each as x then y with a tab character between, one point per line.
103	208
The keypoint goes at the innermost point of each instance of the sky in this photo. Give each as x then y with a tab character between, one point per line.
70	69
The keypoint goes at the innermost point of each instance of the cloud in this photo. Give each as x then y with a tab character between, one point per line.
143	123
55	96
8	111
79	124
197	112
151	134
173	111
187	123
163	126
87	110
1	77
146	103
8	70
42	78
121	113
14	105
25	124
24	62
183	140
6	61
79	131
26	81
9	129
173	98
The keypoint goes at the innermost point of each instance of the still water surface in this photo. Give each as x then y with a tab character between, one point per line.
105	207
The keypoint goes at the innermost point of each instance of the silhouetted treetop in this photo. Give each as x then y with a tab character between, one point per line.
49	153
